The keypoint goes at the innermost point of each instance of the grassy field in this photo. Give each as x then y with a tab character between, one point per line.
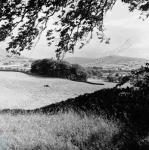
66	131
19	90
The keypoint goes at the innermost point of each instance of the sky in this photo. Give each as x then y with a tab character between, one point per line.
121	25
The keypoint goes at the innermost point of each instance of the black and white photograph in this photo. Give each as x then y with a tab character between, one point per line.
74	75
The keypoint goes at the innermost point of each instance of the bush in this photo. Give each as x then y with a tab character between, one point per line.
63	69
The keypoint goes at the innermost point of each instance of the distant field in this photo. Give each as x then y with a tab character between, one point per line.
19	90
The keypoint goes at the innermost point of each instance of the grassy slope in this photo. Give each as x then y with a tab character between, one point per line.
28	92
58	132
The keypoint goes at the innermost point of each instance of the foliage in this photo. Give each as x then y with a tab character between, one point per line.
138	78
75	21
54	68
110	78
79	72
94	72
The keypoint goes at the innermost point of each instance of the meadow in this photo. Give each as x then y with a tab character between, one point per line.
19	90
61	131
60	114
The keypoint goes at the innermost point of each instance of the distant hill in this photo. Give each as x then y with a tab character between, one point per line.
113	60
15	59
79	60
120	59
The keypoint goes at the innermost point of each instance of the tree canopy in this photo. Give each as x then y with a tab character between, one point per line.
61	69
75	21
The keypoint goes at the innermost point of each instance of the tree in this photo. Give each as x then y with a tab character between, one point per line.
138	78
78	72
117	75
99	74
110	78
76	21
62	69
94	73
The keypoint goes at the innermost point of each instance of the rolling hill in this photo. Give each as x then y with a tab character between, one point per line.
79	60
13	59
113	60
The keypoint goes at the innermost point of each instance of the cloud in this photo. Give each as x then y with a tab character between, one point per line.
122	22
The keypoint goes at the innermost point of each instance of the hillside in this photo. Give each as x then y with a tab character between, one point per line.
79	60
127	63
113	60
8	58
28	92
120	59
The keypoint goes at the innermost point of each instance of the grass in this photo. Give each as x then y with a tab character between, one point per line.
19	90
66	131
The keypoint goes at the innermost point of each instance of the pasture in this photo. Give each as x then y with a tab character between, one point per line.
19	90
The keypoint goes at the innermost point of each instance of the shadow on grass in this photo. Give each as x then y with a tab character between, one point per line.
94	83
